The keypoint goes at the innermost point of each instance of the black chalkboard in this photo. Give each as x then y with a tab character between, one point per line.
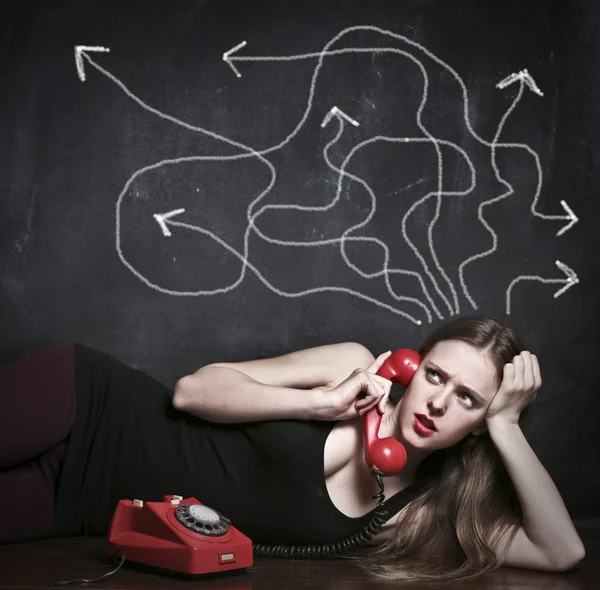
226	180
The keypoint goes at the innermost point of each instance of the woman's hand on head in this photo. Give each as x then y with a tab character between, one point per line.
521	381
356	395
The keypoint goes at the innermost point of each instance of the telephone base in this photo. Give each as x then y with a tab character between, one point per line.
182	536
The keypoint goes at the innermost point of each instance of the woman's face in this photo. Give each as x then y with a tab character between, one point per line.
453	386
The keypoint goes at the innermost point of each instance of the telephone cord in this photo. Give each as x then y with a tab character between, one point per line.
337	547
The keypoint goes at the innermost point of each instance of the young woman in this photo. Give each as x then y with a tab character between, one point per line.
276	445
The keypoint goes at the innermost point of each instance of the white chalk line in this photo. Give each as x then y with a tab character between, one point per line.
509	191
251	218
243	257
253	153
347	237
199	158
571	280
407	214
79	49
525	79
367	187
324	53
419	123
523	76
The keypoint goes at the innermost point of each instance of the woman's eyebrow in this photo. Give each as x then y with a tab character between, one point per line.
446	376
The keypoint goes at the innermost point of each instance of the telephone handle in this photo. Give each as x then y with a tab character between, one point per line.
400	366
387	456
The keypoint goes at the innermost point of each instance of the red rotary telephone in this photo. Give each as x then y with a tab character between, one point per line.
387	456
178	534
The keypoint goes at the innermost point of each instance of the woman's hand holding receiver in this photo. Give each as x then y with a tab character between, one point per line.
356	395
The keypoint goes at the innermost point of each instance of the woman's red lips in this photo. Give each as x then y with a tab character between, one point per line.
427	421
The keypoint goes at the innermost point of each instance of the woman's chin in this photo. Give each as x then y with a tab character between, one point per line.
410	439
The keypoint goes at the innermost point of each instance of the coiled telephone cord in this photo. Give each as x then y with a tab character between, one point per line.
337	547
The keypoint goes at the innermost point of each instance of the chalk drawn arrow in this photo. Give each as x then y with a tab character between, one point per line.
568	282
570	215
523	75
79	50
161	219
227	57
335	111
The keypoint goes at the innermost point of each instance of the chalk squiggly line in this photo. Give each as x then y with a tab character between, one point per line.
250	152
243	257
523	76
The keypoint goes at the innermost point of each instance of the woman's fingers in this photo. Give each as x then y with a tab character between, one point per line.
378	362
536	372
376	393
386	386
370	395
374	390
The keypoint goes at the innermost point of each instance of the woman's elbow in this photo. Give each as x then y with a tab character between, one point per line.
573	562
181	394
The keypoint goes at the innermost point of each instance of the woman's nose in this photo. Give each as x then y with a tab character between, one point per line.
437	405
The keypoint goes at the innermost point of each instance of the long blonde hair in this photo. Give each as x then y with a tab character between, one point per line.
465	493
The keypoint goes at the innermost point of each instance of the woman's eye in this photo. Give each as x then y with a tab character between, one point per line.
431	372
471	401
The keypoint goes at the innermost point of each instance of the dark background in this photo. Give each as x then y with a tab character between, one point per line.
82	258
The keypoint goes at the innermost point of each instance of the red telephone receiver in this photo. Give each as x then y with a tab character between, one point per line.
387	456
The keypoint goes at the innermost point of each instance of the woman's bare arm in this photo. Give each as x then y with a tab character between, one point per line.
268	389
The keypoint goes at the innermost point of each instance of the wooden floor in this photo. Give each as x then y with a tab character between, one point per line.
36	564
